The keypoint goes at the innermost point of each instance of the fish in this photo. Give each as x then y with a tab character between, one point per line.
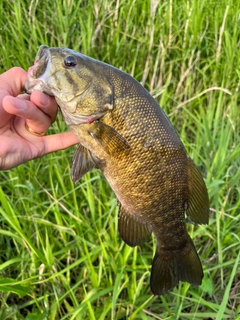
122	131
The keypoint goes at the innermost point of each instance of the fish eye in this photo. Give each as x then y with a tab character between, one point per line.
70	61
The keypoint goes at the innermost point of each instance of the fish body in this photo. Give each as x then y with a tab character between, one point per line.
122	131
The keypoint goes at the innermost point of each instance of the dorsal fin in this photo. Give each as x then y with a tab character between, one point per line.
198	202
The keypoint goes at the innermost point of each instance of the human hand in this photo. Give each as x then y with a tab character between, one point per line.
38	111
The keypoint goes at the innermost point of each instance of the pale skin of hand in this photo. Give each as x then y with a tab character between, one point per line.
38	110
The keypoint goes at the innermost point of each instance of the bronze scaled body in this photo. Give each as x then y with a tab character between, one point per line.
123	131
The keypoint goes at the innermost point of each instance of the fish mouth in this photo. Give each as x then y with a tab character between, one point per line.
38	73
40	63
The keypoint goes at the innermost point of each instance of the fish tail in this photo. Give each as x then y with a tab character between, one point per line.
170	267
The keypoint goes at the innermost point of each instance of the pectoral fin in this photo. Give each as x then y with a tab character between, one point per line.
109	139
198	202
83	161
131	230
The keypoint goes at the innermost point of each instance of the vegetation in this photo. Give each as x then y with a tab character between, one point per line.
60	253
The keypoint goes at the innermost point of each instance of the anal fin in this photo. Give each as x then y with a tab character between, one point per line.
131	230
83	161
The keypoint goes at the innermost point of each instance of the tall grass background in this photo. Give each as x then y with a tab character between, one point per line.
60	253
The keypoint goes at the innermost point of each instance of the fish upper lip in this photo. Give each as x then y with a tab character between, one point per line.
41	51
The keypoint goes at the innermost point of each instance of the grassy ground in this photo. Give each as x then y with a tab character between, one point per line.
60	253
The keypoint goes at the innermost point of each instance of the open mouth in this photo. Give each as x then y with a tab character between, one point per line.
40	63
38	73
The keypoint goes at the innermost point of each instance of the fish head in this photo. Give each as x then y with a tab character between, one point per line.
82	92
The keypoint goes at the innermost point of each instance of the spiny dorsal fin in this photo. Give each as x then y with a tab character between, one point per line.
109	139
131	230
198	202
83	161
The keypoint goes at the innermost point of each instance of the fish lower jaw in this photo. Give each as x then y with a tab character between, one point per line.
33	84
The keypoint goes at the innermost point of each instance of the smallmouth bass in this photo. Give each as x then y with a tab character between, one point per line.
123	132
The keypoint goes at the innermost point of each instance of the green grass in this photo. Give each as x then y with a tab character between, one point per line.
60	253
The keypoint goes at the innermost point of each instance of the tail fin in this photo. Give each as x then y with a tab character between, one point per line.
168	268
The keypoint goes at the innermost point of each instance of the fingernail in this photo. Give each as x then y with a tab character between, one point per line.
45	100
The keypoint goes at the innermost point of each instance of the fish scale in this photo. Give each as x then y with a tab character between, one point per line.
123	132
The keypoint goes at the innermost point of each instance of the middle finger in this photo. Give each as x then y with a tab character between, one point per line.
36	119
46	103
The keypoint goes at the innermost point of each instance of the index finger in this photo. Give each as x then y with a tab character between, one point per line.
12	81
